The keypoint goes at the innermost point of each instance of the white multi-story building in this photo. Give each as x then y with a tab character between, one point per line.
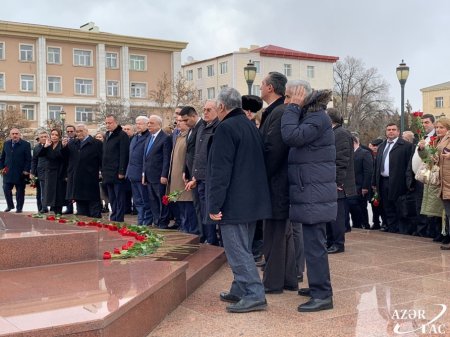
211	75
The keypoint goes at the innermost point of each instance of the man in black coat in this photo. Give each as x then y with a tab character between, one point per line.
114	166
345	181
196	125
38	165
363	164
71	136
158	149
280	271
389	179
15	160
237	196
84	164
205	136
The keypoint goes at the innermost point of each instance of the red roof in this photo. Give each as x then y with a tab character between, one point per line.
275	51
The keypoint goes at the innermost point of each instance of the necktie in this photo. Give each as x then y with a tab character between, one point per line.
149	146
385	154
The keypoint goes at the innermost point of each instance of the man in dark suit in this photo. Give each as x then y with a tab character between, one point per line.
84	163
363	164
196	125
392	161
116	149
134	172
237	196
345	181
280	272
155	168
71	136
16	161
38	165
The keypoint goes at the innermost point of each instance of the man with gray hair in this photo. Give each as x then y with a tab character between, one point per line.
155	169
237	196
134	172
84	163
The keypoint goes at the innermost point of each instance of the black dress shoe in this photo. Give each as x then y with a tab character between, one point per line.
315	304
227	297
245	305
375	227
290	288
445	247
273	291
18	211
7	209
438	238
384	229
446	240
335	249
304	292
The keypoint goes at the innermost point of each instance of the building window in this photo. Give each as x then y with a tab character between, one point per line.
287	70
112	88
256	90
138	90
111	60
189	75
54	84
2	50
200	94
439	102
211	93
137	62
84	87
310	71
54	55
223	67
83	114
26	52
82	58
2	107
210	70
2	81
54	112
258	66
27	82
28	111
199	72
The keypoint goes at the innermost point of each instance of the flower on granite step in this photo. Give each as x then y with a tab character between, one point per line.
107	256
116	251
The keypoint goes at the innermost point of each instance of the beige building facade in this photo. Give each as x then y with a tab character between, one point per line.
44	70
211	75
436	99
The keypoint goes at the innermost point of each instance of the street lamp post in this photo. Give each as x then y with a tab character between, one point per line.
62	116
402	75
250	74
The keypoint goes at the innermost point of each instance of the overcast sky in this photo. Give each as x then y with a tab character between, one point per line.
381	33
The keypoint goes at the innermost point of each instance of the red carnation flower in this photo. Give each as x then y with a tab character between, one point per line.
116	251
81	223
130	243
140	237
125	247
106	256
165	200
62	220
51	218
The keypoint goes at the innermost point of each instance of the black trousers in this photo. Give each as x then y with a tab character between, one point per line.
358	210
20	195
316	256
116	196
90	208
394	222
336	229
279	252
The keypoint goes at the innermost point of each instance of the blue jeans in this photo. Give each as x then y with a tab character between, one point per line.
141	203
237	241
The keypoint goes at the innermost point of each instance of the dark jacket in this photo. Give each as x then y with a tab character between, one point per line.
116	149
84	165
38	164
137	148
363	164
204	140
345	170
17	160
312	160
157	162
237	181
399	160
55	176
276	159
190	148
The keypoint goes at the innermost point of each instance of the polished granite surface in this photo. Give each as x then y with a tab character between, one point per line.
384	285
